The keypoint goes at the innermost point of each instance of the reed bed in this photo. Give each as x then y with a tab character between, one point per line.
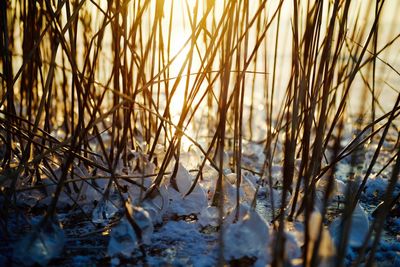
87	86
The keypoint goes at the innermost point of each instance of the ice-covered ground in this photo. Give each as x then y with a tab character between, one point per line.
172	228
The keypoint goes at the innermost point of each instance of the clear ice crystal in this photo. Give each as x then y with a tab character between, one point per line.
106	209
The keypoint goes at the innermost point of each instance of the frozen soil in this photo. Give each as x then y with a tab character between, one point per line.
177	241
185	232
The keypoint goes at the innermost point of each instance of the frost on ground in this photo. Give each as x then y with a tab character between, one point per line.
115	224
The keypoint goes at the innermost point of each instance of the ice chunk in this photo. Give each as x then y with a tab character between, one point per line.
229	191
137	162
183	179
246	237
40	246
195	202
143	220
136	192
338	187
231	178
104	212
209	176
92	193
275	196
253	155
123	239
358	229
247	189
107	208
230	194
276	173
157	206
209	216
191	159
225	158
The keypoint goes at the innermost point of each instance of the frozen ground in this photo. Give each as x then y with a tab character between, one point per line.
181	230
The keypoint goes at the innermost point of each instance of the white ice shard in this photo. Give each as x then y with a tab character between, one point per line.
184	179
143	220
229	195
358	230
209	216
248	236
208	177
123	239
195	202
138	163
40	246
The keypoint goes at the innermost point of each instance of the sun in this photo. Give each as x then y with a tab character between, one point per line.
179	51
